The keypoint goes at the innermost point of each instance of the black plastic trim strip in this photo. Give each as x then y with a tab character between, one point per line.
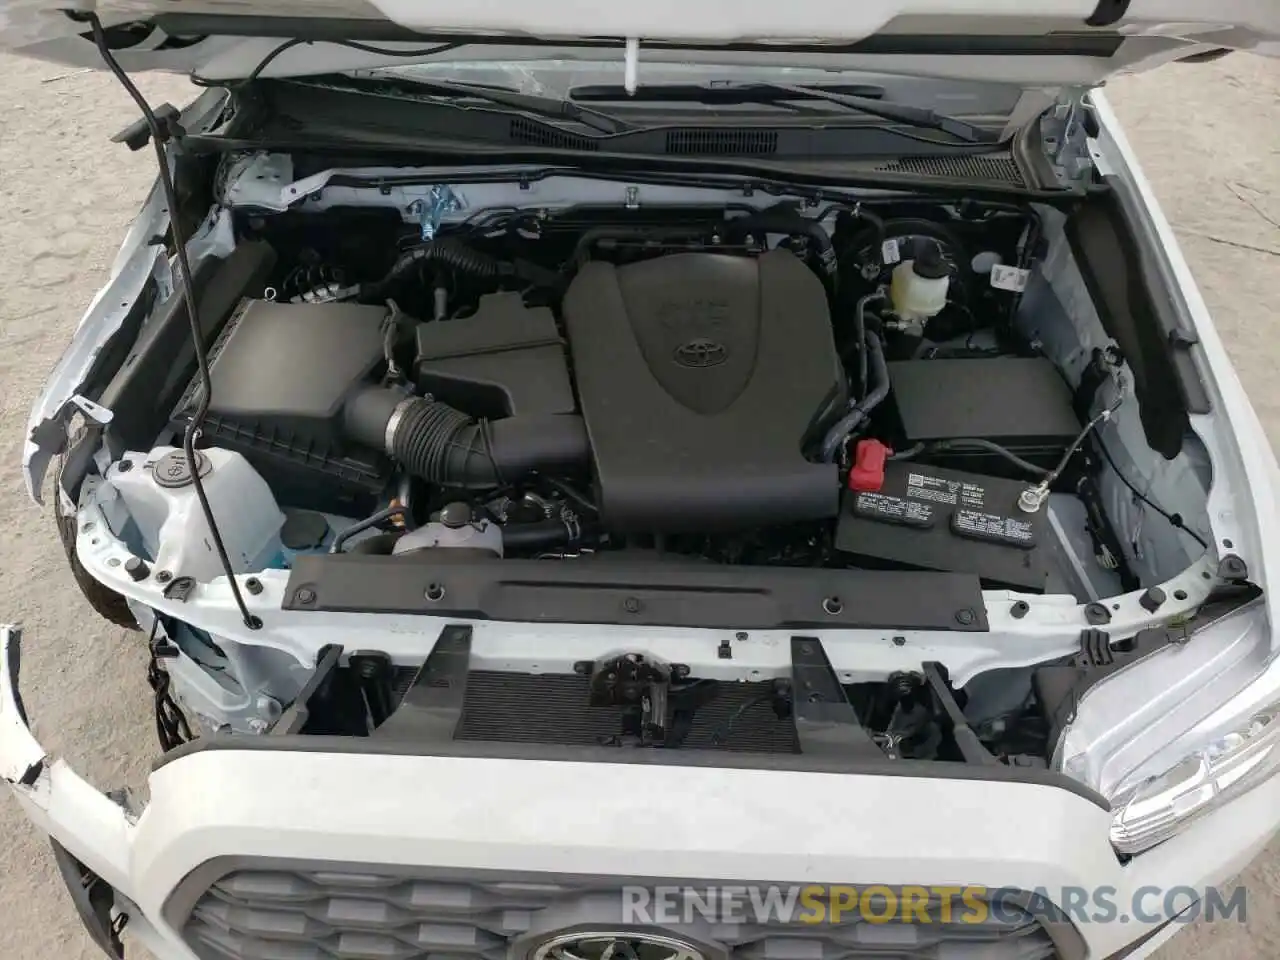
1066	43
826	724
723	759
444	583
1135	311
431	709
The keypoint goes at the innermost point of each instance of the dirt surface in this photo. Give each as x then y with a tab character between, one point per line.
1208	136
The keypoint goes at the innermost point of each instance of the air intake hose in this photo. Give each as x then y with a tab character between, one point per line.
449	252
447	447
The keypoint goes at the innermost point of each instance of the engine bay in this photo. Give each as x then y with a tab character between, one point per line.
733	387
656	467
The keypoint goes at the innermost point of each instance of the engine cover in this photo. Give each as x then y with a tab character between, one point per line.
699	377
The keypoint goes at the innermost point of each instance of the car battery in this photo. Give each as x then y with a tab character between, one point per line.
929	518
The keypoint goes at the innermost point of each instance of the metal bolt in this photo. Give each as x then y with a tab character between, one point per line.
113	562
899	641
305	595
1097	615
631	605
124	466
965	617
740	636
832	605
1152	599
253	585
434	592
1019	609
164	576
257	725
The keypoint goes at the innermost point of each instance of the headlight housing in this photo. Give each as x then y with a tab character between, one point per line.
1159	807
1173	736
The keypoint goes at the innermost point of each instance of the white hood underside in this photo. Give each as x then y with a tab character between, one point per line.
1045	43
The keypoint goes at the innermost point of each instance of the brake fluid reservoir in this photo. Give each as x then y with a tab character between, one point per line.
919	287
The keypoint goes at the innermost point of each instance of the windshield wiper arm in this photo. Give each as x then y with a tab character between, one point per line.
530	103
866	98
718	92
888	110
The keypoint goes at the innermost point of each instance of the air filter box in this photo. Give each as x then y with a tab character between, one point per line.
504	360
934	519
281	373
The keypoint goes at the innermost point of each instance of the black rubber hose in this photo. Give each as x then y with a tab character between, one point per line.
978	443
538	534
381	516
878	379
449	448
845	218
784	218
452	253
860	332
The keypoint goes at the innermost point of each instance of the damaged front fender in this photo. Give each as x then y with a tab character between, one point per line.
141	261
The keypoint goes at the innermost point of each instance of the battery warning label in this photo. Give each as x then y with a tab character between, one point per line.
922	486
993	528
890	509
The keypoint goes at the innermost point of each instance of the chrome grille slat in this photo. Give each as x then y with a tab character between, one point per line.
331	914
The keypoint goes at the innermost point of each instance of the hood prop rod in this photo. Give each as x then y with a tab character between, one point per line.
160	133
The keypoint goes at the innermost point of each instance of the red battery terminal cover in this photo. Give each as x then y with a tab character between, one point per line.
867	473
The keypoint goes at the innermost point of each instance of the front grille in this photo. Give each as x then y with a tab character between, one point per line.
992	169
330	913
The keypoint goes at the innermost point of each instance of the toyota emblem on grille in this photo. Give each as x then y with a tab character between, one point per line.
701	353
617	946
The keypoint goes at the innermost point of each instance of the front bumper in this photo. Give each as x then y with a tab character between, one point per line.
524	819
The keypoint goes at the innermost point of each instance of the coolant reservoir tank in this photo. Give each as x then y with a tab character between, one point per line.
919	287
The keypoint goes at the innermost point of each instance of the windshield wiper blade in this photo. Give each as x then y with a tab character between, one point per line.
551	107
888	110
718	92
866	99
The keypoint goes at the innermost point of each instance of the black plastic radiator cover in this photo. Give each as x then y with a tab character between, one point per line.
642	593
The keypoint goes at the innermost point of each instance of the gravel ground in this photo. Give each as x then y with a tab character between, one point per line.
68	195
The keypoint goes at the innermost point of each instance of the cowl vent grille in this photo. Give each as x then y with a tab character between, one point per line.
708	141
991	169
538	135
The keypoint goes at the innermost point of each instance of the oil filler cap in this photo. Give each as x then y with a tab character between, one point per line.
867	473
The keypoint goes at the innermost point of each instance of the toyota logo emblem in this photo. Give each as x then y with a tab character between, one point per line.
701	353
617	946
